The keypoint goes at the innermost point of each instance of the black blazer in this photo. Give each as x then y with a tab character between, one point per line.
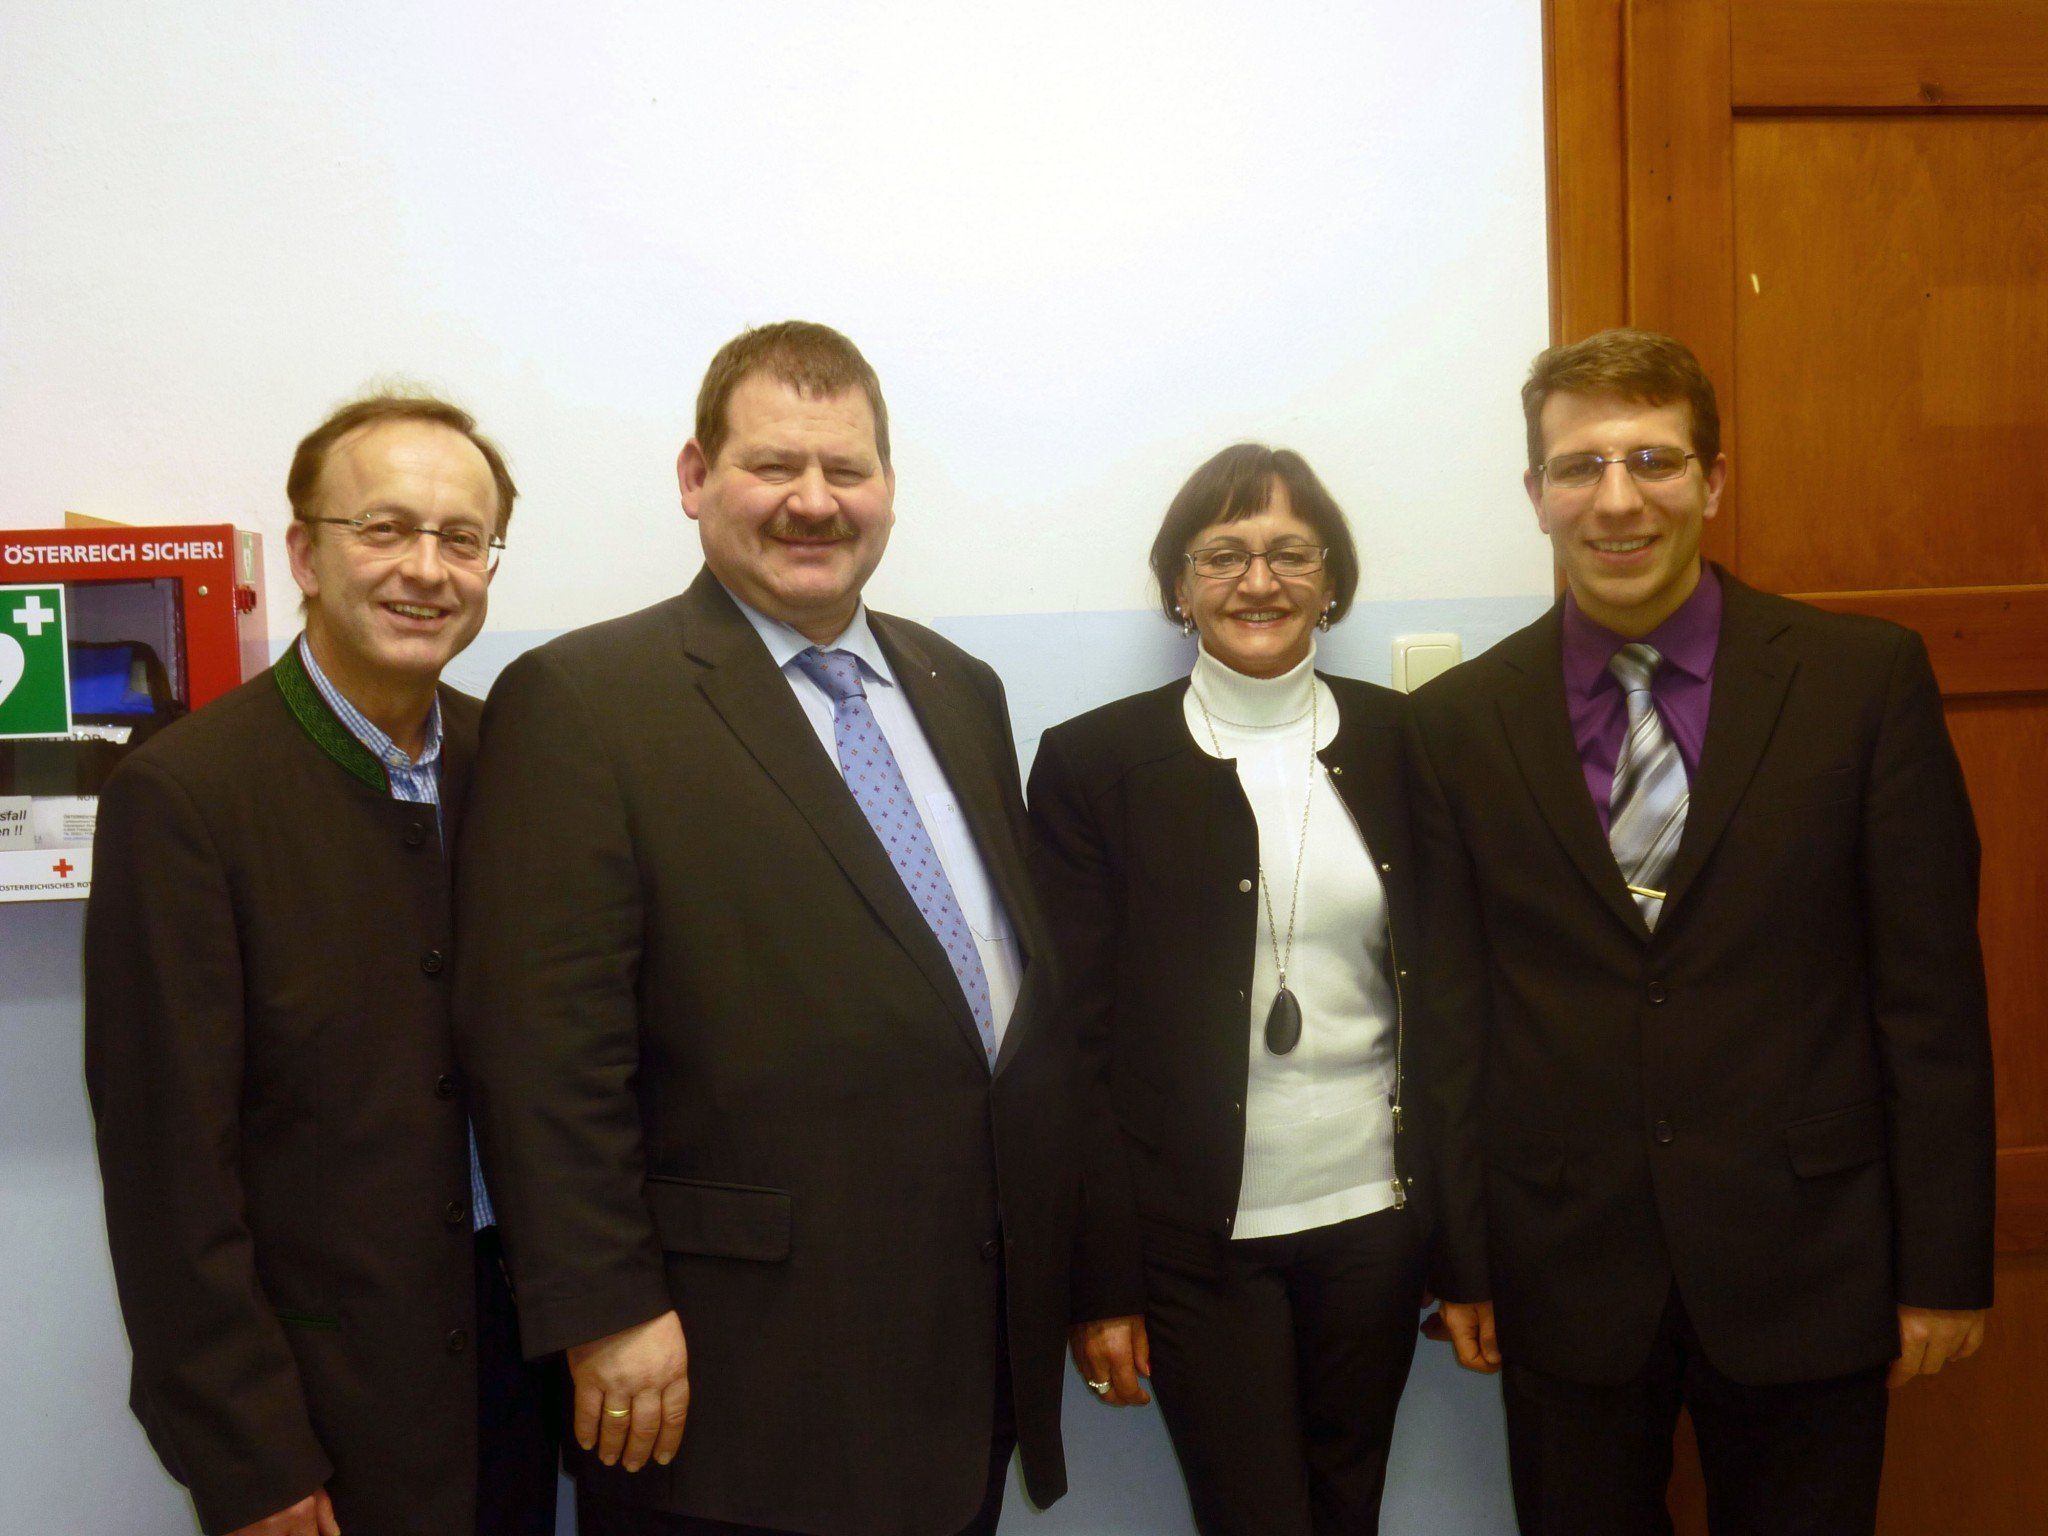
722	1065
1782	1099
280	1135
1149	856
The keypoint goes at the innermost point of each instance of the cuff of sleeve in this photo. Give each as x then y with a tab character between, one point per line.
1108	1281
1464	1281
549	1324
230	1504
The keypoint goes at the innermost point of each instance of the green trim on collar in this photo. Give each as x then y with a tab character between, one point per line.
318	722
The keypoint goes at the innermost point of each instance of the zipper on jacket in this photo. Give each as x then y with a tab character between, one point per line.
1394	963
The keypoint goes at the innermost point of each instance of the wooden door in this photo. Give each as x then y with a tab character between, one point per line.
1842	206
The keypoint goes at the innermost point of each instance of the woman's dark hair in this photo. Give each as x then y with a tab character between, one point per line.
1237	483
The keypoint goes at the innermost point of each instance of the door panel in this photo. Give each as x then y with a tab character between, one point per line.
1891	320
1842	206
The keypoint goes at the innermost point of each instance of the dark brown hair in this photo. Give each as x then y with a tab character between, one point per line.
814	360
1238	483
1645	366
302	484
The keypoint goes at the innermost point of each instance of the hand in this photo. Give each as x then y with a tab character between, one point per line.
311	1516
1929	1338
644	1370
1469	1327
1114	1350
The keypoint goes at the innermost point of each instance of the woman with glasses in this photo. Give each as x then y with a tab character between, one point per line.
1228	860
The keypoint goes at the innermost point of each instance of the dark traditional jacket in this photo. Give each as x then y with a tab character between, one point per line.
281	1129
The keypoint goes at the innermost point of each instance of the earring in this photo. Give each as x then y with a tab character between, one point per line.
1187	625
1324	621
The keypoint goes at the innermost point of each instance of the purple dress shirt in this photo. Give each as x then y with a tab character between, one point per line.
1681	690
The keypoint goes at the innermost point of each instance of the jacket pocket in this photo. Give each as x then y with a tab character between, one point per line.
1840	1139
315	1322
725	1221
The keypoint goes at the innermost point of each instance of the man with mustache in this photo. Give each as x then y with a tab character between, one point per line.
752	1004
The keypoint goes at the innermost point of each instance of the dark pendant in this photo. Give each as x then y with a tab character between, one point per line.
1283	1023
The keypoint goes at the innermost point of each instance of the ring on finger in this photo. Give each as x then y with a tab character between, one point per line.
618	1413
1099	1388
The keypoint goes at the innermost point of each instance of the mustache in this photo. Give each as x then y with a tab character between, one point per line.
826	530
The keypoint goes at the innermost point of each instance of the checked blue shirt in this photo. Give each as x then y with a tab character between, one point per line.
416	783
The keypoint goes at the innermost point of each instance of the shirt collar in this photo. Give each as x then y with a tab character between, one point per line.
785	644
1686	640
365	730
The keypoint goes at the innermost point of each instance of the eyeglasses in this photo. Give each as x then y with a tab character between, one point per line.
1226	563
1577	471
463	547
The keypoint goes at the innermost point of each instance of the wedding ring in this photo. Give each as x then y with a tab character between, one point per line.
1099	1388
618	1413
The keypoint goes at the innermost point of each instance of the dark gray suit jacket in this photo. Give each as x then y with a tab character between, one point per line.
1780	1101
722	1064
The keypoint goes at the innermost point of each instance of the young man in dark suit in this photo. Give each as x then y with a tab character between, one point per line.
753	996
1710	1083
323	1333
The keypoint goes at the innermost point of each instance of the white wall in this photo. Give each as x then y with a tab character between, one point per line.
1084	244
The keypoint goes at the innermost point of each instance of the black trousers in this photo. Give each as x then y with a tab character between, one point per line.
1278	1362
602	1517
520	1411
1802	1459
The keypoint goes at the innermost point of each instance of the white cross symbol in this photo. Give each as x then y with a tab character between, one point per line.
32	616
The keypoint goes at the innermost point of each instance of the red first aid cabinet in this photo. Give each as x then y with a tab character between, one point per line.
147	625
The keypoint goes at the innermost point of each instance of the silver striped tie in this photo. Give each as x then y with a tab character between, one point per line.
1646	809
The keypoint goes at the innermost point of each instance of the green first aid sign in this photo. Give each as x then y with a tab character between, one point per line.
35	664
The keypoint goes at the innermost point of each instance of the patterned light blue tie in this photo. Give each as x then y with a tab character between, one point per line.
871	772
1646	809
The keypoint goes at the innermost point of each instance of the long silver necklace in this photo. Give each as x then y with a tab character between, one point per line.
1283	1019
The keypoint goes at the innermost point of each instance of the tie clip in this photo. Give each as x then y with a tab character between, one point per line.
1644	890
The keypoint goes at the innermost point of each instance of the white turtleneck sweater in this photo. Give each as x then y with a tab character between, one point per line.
1318	1131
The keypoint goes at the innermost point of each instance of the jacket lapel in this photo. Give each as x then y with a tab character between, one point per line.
1364	760
1538	725
741	682
1750	680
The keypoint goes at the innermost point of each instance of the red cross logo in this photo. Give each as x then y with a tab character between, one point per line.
62	869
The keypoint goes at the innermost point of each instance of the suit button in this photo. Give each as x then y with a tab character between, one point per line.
1663	1132
458	1340
1386	869
416	835
455	1212
1243	886
1337	772
445	1086
1657	993
991	1248
432	962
